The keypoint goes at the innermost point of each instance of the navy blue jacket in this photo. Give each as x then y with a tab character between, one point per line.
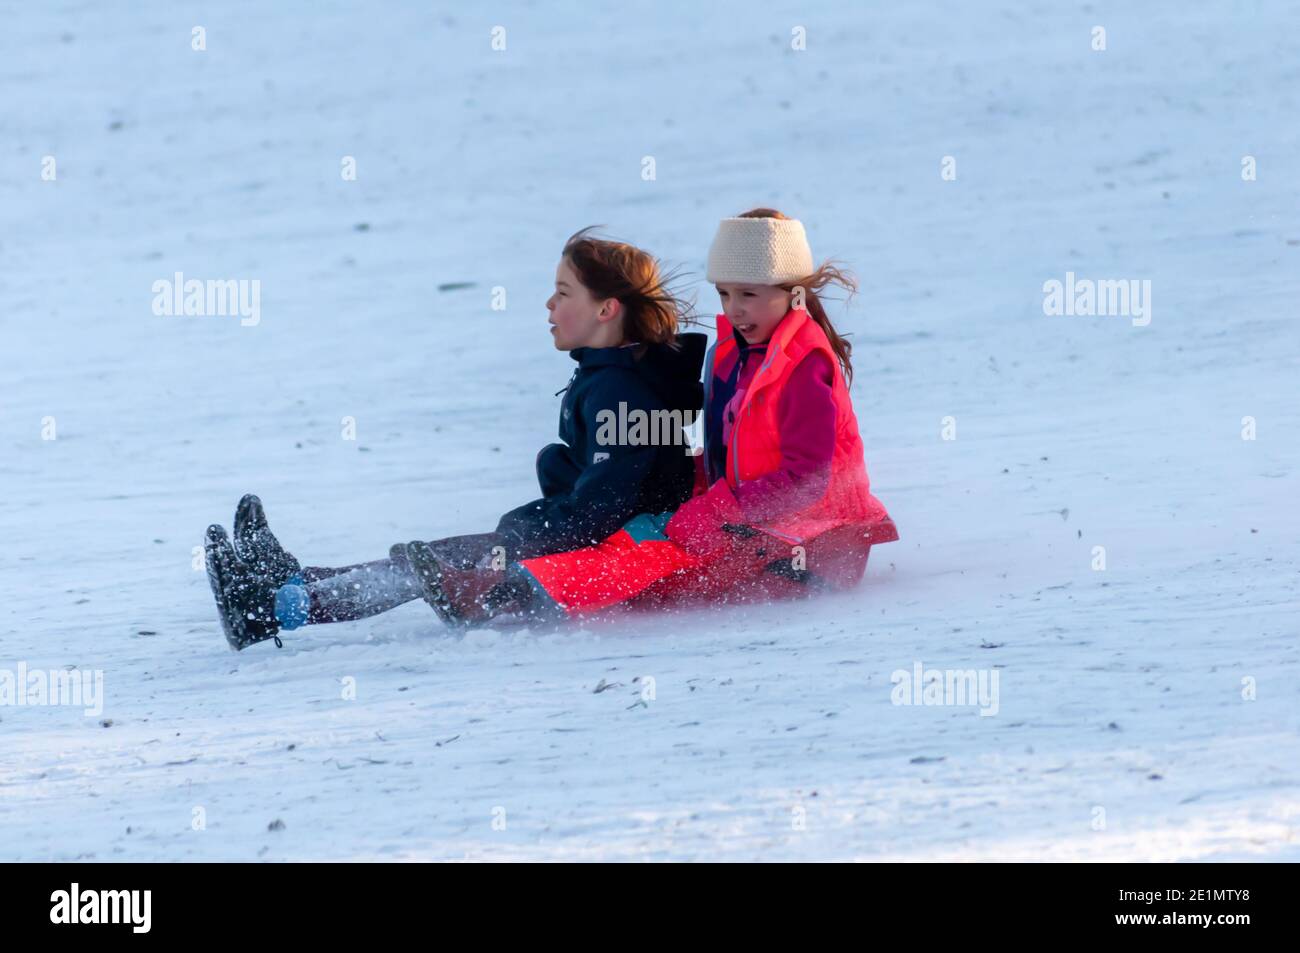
592	484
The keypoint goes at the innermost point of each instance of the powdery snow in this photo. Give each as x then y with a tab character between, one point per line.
767	732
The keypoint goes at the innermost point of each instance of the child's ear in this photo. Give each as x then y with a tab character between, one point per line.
610	310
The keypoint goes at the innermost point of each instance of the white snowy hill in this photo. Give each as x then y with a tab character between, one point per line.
1146	711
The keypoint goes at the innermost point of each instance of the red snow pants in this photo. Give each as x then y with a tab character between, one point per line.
640	567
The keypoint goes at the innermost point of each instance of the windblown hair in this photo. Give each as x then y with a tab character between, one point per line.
652	311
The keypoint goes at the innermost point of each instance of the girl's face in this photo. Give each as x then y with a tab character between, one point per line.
578	319
754	310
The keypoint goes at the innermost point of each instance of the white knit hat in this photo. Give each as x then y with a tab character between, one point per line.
759	251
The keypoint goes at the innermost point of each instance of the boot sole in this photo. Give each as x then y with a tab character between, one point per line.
249	517
250	520
425	566
219	578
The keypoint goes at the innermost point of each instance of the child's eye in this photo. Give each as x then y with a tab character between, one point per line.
749	294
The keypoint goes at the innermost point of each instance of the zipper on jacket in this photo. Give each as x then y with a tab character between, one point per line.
570	384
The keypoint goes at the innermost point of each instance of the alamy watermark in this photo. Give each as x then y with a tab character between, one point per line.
946	686
71	687
129	907
1123	297
647	428
229	297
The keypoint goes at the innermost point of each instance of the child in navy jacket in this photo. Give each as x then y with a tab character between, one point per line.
624	451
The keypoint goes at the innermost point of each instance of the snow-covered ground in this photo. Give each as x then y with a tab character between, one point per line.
1148	710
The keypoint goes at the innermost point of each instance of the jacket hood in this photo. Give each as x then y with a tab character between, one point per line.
672	372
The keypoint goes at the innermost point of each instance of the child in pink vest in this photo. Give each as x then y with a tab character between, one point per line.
782	503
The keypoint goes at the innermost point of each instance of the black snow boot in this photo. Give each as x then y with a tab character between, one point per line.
419	558
463	597
245	599
256	546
